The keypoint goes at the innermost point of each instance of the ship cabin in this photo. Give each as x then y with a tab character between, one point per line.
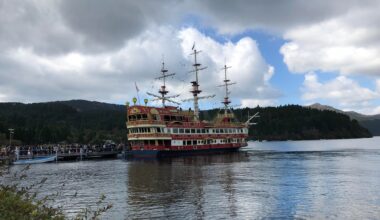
171	128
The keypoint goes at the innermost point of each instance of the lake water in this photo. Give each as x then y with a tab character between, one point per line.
336	179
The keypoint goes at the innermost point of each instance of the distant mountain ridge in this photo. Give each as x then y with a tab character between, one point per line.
81	121
371	122
84	105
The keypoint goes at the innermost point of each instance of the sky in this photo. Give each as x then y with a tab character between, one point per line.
280	52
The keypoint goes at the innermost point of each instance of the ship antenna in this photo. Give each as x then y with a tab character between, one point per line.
195	84
226	83
163	90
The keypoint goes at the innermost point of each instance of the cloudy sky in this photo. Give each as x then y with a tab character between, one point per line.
281	52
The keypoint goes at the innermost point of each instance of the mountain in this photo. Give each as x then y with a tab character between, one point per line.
371	122
294	122
83	105
75	121
81	121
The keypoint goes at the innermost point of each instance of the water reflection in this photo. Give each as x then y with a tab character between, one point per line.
283	180
162	187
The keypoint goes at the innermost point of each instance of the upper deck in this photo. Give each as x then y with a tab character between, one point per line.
170	116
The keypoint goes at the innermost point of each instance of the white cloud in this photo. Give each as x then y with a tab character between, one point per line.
341	92
249	69
257	102
110	76
95	50
347	44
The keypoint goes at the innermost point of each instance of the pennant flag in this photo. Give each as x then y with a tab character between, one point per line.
137	88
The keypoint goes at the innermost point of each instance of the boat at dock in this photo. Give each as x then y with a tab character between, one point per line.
35	160
171	131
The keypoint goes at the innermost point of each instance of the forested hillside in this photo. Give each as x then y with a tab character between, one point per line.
74	121
293	122
80	121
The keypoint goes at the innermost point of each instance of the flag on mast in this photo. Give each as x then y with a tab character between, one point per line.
137	88
137	91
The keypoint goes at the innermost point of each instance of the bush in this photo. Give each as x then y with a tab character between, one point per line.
21	202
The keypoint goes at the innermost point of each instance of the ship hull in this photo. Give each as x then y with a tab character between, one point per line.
176	153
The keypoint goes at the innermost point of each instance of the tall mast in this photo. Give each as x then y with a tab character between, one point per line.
227	83
195	85
163	90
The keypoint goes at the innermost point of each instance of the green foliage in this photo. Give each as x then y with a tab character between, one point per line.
87	122
72	121
22	202
293	122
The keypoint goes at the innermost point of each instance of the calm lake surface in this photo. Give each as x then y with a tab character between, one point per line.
336	179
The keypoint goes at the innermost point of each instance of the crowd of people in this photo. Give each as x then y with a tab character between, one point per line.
50	149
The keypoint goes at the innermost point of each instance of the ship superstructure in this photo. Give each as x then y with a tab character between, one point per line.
169	130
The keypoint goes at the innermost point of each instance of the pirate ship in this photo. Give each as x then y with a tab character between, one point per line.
169	130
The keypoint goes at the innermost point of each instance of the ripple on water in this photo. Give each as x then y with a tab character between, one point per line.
306	179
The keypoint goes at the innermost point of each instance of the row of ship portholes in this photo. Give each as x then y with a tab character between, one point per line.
187	142
189	130
208	130
208	141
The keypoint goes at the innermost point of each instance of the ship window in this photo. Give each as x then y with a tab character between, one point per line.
193	131
203	131
194	142
144	116
187	130
175	130
155	117
166	118
158	130
229	130
198	131
188	142
221	130
181	130
138	117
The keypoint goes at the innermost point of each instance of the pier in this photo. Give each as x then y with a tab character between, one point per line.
63	152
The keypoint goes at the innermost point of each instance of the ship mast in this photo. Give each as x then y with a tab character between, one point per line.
195	84
227	83
163	90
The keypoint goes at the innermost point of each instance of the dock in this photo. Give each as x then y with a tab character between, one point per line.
63	152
